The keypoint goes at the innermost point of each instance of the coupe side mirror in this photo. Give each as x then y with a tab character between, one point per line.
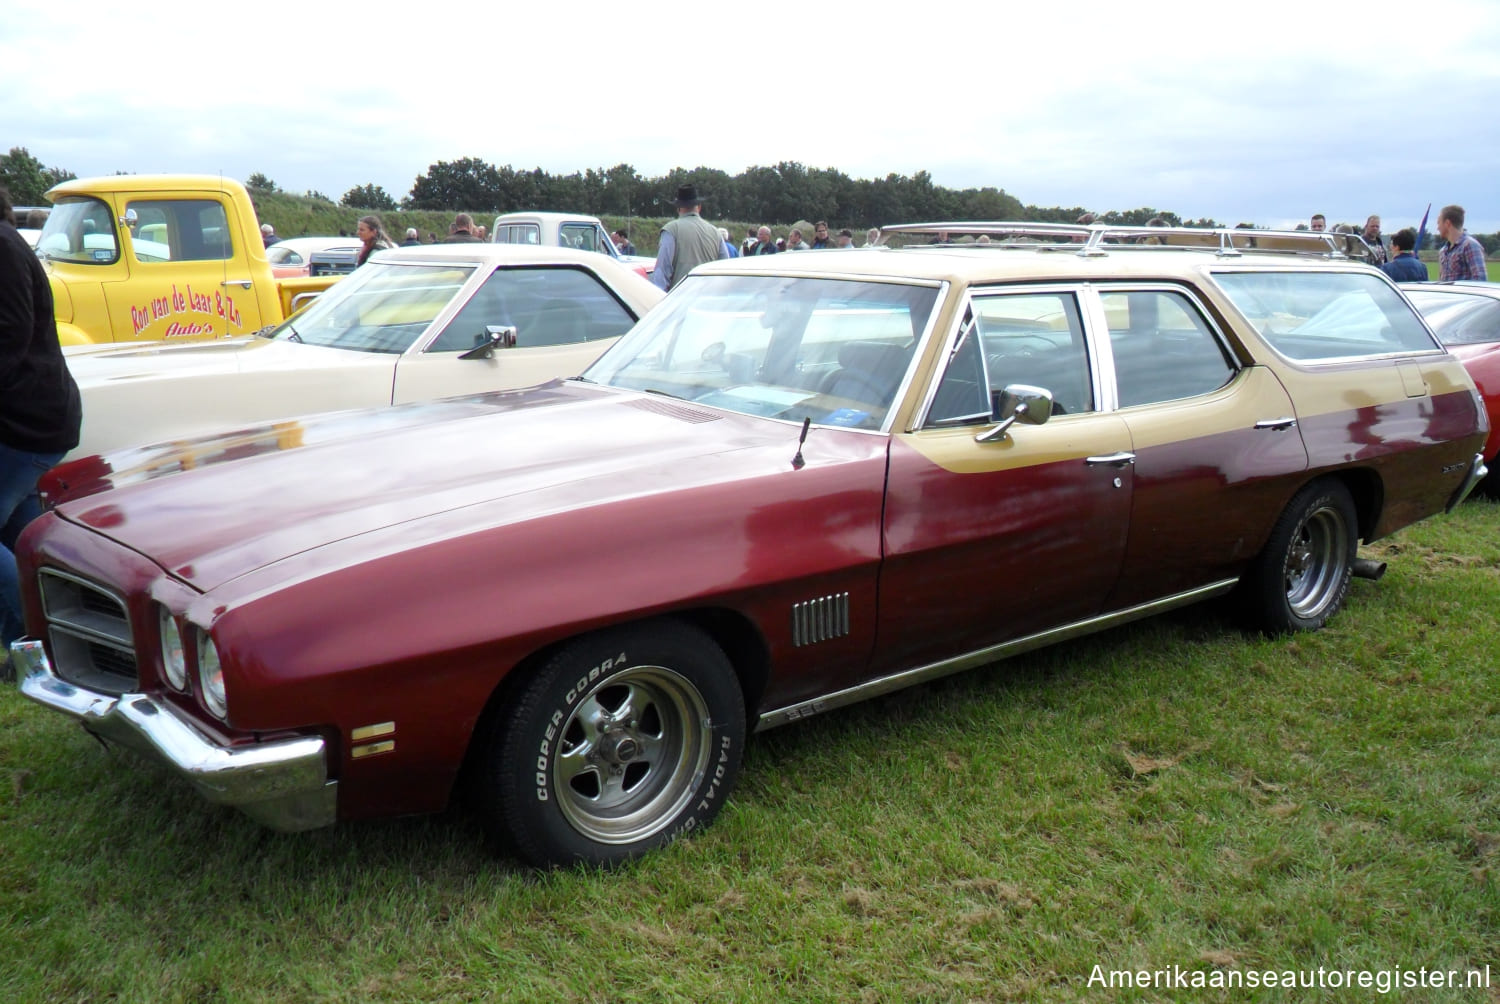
495	337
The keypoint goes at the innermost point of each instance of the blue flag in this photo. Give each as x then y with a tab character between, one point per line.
1422	230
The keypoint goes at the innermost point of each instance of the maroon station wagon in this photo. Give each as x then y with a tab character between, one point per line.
803	480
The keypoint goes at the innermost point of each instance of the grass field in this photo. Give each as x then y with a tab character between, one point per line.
1174	793
1492	269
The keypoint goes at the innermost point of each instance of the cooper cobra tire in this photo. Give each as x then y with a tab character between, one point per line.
618	744
1301	577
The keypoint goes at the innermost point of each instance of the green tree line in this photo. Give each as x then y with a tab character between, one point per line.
779	195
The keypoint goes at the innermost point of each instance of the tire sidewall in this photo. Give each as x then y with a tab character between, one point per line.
534	823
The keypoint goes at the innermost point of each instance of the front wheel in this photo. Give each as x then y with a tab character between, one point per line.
619	743
1301	578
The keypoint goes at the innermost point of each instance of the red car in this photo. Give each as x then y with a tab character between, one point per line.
1466	317
801	481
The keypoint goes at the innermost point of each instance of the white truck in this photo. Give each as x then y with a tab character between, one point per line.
568	230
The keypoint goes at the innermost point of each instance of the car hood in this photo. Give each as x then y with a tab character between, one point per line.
297	485
101	364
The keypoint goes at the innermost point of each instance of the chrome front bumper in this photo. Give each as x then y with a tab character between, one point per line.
1477	472
283	785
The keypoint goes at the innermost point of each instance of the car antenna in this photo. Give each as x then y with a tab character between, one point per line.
797	461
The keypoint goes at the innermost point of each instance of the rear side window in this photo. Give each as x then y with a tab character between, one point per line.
546	306
1310	316
517	233
1163	348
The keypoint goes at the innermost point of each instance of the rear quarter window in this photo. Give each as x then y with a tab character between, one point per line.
1311	316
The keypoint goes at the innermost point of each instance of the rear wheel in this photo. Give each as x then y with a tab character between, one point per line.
621	742
1301	577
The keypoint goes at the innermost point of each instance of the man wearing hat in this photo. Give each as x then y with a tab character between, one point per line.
687	241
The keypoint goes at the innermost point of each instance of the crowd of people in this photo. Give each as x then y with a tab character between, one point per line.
1460	257
683	241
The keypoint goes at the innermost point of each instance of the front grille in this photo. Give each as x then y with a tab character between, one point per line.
89	628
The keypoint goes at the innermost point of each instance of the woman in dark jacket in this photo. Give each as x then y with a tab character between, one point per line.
373	236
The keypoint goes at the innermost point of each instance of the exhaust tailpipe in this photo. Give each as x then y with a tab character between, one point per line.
1368	568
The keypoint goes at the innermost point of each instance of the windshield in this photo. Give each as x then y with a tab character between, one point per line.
380	308
832	350
80	230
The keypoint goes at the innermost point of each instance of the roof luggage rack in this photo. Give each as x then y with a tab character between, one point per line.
1104	238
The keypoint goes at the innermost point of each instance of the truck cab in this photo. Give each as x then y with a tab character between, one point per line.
568	230
152	257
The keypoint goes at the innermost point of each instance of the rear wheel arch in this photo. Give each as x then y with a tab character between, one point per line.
1301	576
1368	492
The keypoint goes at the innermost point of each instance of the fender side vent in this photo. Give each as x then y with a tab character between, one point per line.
820	619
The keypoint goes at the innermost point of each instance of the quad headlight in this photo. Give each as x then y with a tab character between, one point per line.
173	658
211	676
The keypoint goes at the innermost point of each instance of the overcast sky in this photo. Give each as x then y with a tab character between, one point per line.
1263	111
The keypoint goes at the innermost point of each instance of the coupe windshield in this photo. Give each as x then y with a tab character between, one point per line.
832	350
380	308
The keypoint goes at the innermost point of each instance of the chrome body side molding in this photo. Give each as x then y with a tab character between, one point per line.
994	653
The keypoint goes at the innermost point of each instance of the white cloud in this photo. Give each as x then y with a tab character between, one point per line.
1265	112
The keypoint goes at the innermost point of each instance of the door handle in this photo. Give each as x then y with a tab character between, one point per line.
1276	424
242	283
1121	459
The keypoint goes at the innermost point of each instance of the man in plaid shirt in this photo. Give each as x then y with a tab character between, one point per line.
1463	258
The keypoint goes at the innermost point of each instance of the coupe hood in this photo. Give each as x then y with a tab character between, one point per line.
92	365
297	485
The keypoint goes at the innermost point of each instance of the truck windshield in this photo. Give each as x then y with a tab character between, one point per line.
80	230
380	308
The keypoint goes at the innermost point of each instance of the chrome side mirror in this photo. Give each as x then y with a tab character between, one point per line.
1018	402
495	337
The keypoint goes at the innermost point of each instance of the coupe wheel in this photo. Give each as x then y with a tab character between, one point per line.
1301	577
618	744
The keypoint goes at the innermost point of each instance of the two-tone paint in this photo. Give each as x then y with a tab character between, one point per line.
384	578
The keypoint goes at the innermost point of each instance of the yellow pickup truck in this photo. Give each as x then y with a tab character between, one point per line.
141	257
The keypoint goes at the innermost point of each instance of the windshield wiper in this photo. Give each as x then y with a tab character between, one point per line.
665	393
293	337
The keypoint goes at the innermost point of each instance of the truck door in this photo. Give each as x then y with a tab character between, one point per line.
81	245
191	278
